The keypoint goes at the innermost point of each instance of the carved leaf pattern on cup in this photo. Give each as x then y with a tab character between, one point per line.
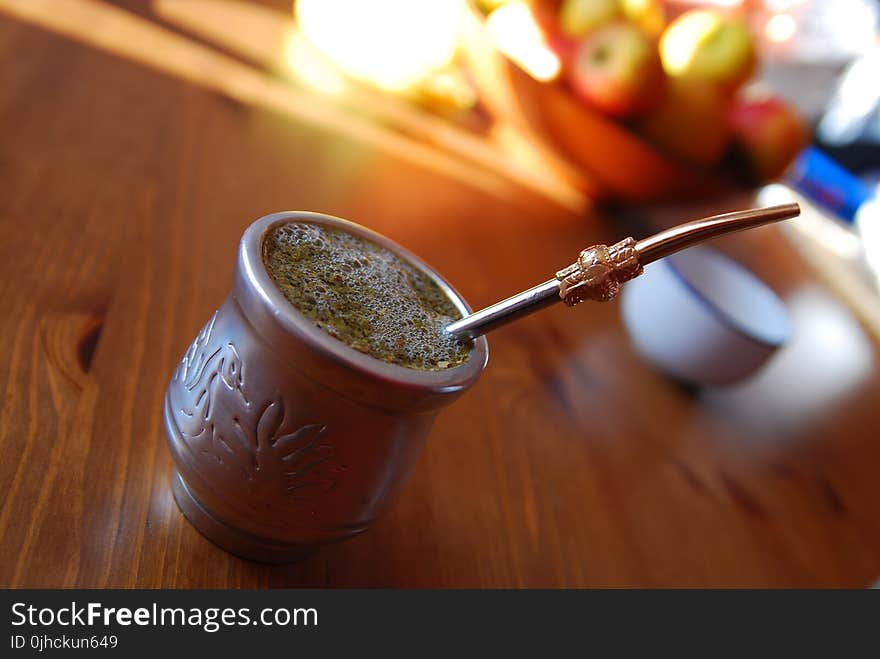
302	460
222	423
196	357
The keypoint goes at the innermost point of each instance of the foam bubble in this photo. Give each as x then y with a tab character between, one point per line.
364	295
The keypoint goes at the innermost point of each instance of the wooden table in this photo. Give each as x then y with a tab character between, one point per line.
128	176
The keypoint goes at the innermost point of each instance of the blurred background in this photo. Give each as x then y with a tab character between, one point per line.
617	102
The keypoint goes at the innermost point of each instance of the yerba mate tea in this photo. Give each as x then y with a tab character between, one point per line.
285	440
365	296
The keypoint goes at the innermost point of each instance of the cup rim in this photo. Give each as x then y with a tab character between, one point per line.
716	311
293	322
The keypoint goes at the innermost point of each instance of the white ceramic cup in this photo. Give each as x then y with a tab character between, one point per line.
703	318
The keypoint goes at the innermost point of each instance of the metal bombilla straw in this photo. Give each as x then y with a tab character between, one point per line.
600	270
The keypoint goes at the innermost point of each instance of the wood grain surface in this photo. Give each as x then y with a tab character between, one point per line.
124	188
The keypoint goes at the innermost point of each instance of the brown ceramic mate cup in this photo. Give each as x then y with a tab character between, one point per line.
285	438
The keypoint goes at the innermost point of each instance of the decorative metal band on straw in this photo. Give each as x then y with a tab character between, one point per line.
600	270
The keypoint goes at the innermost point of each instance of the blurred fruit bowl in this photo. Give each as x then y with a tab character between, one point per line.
578	99
603	158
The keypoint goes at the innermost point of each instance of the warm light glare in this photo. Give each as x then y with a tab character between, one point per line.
311	68
678	43
454	152
517	35
780	28
391	43
450	89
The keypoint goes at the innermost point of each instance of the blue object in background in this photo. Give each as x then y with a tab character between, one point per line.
821	179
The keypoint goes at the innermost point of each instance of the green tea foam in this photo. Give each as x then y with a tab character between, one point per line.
365	296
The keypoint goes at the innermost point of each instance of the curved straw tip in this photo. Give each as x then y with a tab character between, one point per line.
785	211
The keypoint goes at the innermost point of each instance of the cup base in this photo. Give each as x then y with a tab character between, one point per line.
230	539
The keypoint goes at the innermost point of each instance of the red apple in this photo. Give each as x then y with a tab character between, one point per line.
690	123
617	70
769	132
